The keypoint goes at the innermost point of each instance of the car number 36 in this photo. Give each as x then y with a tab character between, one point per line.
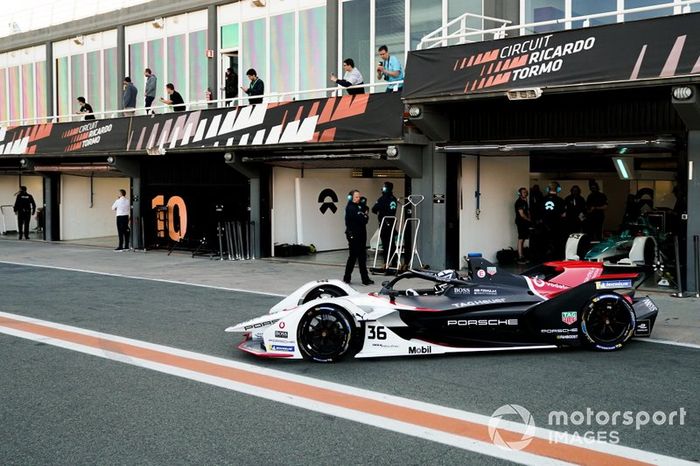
376	332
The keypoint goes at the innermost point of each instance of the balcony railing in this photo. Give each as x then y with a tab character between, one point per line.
464	34
201	104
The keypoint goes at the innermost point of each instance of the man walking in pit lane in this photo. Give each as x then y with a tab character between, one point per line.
386	207
356	233
121	208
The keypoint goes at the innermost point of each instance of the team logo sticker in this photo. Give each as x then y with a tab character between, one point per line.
569	317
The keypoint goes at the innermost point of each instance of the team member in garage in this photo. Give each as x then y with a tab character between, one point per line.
356	232
523	222
121	209
386	207
596	203
24	208
575	211
553	215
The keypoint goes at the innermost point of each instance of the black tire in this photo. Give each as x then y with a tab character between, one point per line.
607	321
325	333
323	291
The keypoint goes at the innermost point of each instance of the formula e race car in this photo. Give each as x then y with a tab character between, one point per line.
557	304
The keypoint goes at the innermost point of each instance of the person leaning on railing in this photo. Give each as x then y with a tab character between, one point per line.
257	86
352	77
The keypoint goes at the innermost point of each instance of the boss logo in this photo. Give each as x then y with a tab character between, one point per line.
280	334
461	290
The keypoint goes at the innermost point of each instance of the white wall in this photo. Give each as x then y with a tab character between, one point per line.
9	185
296	216
78	219
495	229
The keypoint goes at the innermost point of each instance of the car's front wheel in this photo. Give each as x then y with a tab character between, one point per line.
608	321
325	333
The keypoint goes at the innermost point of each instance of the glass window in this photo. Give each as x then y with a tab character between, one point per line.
63	86
312	39
590	7
94	81
389	26
544	10
156	62
254	53
356	36
77	80
426	17
112	83
456	8
3	102
28	95
646	14
40	88
136	66
177	66
282	73
198	66
15	96
229	36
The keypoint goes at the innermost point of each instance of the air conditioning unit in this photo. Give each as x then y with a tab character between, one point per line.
258	2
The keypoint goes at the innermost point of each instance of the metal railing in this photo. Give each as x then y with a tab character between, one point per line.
464	34
197	104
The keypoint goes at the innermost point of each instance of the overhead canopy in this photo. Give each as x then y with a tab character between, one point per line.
628	54
347	119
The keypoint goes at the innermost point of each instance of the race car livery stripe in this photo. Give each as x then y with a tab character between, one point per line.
403	415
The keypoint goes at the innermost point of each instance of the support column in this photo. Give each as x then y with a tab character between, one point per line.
52	189
121	63
693	209
255	181
212	63
132	168
431	241
332	36
49	79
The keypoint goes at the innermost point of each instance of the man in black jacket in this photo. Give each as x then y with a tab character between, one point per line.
356	232
257	86
386	207
24	208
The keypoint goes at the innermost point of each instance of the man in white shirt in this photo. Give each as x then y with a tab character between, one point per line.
121	207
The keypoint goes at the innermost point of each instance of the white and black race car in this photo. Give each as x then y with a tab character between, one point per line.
557	304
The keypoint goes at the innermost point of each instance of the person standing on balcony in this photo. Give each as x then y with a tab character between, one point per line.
230	86
175	99
85	109
129	97
257	86
352	77
150	89
389	69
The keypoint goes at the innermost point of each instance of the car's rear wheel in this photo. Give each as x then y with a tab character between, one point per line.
323	291
608	321
325	333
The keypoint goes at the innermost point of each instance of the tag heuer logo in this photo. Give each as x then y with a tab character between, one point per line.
569	317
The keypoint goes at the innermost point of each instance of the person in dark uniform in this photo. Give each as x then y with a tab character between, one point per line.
257	86
174	98
231	86
596	204
575	211
553	214
356	232
85	109
24	208
386	207
522	222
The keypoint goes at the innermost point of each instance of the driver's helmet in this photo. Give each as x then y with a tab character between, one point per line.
448	274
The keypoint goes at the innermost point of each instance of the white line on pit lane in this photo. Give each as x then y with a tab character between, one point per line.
134	277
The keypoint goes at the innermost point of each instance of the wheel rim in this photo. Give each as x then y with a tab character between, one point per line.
326	334
608	321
